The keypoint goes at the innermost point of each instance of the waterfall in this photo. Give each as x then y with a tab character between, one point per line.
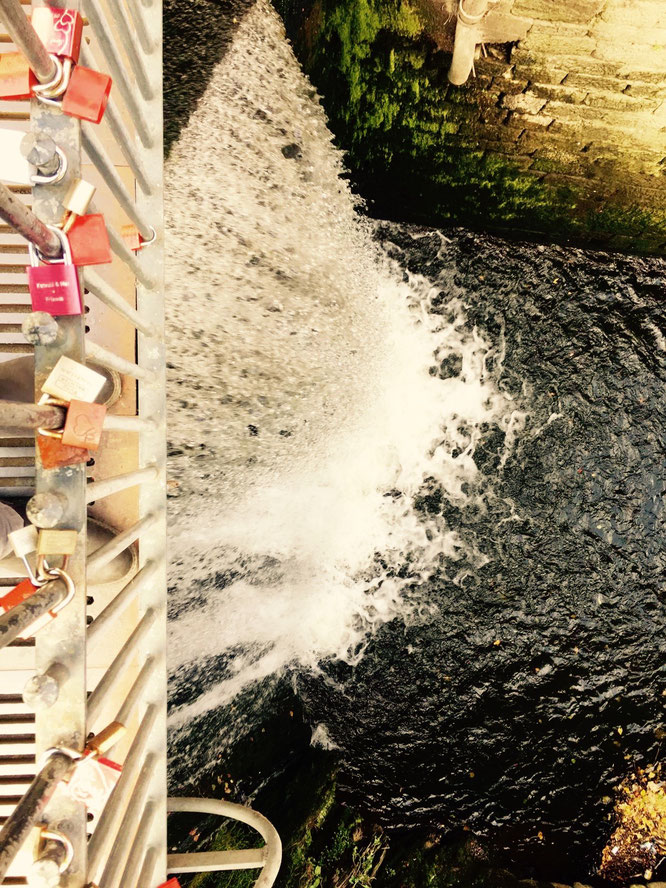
313	389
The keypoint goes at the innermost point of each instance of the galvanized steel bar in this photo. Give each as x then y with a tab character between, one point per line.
127	256
135	857
145	879
23	220
101	160
17	415
128	826
99	489
29	810
136	691
97	699
109	359
118	604
26	40
104	35
107	825
16	621
119	543
131	47
140	24
114	300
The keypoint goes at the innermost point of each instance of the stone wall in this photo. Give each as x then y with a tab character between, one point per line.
581	101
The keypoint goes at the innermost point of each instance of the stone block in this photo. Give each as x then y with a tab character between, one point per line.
536	67
546	40
560	93
523	102
541	120
646	91
576	11
619	101
589	82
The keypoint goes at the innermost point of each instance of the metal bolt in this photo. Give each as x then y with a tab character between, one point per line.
41	328
40	151
41	691
46	509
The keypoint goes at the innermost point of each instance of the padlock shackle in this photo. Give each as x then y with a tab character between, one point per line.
65	258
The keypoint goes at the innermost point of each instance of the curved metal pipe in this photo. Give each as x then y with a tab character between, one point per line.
470	13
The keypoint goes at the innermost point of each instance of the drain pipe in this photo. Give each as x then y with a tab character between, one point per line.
470	13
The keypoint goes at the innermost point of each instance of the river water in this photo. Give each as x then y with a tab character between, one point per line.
418	474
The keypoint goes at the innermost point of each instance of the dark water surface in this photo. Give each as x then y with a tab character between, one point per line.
442	726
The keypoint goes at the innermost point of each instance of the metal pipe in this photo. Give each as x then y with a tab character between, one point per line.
119	664
134	859
129	825
131	48
103	163
26	40
470	13
125	255
269	857
117	126
99	287
125	597
29	810
145	37
109	359
119	543
136	691
105	832
17	620
18	415
104	35
99	489
145	879
23	220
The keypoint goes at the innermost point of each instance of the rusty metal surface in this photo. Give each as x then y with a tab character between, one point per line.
15	415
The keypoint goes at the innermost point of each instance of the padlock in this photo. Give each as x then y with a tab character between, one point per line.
56	541
17	595
107	738
54	287
71	380
89	240
16	77
76	201
83	425
133	239
92	782
170	883
24	542
87	94
53	454
60	30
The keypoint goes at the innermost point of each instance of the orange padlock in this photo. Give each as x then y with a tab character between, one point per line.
89	240
16	78
84	423
55	455
87	94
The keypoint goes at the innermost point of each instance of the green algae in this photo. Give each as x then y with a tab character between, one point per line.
421	150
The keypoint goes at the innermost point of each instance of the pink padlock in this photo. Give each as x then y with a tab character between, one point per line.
54	286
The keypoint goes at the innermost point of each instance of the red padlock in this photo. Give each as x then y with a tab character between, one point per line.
93	781
171	883
59	30
89	240
87	94
54	287
16	78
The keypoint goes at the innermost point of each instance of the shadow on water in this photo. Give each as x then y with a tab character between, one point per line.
197	34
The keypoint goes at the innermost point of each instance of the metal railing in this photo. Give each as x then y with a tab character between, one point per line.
121	630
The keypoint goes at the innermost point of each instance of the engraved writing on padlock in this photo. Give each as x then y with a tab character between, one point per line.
71	380
59	30
54	286
87	94
84	423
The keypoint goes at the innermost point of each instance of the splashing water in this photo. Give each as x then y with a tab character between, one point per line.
316	386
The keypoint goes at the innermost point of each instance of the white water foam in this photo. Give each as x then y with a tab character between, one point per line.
294	521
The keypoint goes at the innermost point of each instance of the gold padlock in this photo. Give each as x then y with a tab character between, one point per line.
106	738
76	202
54	542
